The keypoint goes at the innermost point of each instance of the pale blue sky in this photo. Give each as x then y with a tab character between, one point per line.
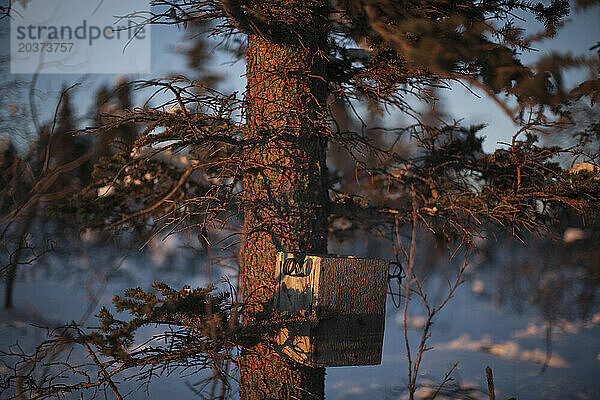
581	32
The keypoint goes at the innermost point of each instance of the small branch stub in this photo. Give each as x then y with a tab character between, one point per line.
341	304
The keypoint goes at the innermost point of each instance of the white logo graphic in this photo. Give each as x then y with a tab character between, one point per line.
75	36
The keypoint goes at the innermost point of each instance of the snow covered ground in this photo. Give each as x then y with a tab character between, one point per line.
477	328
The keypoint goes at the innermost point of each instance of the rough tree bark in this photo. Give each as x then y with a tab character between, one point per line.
285	185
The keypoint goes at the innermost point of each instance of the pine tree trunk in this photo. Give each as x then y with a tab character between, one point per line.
285	185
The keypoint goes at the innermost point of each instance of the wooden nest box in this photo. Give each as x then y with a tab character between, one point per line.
339	303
